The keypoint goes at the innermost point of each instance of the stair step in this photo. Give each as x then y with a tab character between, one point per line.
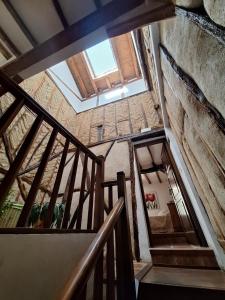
184	256
172	238
180	283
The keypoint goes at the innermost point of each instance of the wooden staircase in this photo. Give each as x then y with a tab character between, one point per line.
181	283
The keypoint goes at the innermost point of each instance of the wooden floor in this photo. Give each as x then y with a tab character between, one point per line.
209	279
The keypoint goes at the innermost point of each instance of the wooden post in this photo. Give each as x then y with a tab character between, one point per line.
98	221
125	270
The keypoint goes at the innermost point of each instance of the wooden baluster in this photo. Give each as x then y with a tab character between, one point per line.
125	270
55	191
19	159
81	198
74	218
98	221
69	195
91	197
7	118
37	181
110	288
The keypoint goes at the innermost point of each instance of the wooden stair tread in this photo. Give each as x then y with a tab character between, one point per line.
204	279
171	234
182	249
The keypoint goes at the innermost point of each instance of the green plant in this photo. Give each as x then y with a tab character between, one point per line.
39	213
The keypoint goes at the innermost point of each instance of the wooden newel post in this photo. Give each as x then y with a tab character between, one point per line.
98	221
125	270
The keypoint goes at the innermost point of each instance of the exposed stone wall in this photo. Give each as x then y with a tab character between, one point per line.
193	67
117	119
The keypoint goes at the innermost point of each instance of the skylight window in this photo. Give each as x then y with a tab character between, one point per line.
101	60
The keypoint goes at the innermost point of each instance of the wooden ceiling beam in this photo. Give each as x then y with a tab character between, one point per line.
4	37
154	165
133	55
148	179
60	13
73	33
76	76
108	82
115	50
20	22
89	74
161	12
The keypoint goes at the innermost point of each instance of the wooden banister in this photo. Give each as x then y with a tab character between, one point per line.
19	93
123	277
82	272
43	118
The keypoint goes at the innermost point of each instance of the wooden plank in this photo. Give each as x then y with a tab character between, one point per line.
69	195
52	202
91	197
18	161
81	198
89	74
36	182
153	169
7	118
76	31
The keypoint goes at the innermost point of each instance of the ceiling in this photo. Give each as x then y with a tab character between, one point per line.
151	163
128	69
42	33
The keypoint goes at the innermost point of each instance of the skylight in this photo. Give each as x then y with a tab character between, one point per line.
100	59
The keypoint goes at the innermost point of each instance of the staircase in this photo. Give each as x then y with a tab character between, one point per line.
88	253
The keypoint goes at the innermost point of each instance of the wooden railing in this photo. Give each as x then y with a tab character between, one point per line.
113	239
71	147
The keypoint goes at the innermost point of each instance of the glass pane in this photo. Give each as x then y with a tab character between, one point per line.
101	59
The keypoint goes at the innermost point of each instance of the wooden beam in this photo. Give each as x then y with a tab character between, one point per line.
20	22
109	85
76	76
89	73
4	37
60	13
115	50
153	163
98	3
133	56
148	179
4	51
161	12
152	169
75	32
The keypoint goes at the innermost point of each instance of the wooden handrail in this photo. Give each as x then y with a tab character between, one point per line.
82	272
19	93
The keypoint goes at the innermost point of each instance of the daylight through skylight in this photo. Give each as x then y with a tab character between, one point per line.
100	59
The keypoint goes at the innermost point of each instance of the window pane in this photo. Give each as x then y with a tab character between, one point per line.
101	59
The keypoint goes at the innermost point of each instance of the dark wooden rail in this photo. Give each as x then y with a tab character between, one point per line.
87	192
122	285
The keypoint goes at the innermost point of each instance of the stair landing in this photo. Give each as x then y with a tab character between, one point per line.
181	283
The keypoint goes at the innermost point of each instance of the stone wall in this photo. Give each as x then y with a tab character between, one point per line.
193	66
117	119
